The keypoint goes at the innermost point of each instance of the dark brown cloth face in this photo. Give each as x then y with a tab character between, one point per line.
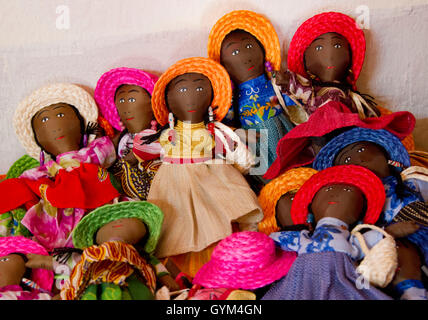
12	269
129	230
328	58
189	96
134	106
341	201
242	56
366	154
57	128
283	210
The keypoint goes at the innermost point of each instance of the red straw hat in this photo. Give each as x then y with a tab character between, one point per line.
324	23
331	116
357	176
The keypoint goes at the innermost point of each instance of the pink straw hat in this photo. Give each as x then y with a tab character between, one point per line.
113	79
19	244
245	260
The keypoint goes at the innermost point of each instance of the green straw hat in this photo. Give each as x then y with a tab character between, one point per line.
150	214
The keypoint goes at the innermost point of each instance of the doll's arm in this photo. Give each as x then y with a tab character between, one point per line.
402	229
371	238
38	261
163	275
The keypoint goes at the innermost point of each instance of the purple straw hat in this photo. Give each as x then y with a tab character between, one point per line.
245	260
113	79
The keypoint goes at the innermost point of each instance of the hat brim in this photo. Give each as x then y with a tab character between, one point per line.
251	22
43	97
390	143
150	214
19	244
325	23
271	193
357	176
212	276
217	75
109	82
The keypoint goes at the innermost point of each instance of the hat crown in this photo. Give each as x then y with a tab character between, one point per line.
247	250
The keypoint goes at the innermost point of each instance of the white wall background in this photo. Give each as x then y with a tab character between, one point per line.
153	34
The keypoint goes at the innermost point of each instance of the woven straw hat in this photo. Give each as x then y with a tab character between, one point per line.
251	22
360	177
113	79
46	96
389	142
19	244
324	23
150	214
271	193
218	76
245	260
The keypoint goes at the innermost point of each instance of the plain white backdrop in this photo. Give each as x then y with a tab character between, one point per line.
76	41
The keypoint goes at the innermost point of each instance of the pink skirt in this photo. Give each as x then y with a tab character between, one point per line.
199	202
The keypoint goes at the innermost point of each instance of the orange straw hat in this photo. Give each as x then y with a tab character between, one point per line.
218	76
251	22
271	193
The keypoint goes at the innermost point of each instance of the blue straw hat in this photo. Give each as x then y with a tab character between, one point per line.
389	142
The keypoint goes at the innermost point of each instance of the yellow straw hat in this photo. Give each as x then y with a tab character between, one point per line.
290	180
218	76
251	22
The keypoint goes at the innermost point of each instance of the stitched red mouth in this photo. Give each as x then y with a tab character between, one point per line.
59	138
129	119
332	202
330	67
191	111
117	226
250	68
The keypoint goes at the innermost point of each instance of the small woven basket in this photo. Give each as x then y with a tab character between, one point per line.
380	263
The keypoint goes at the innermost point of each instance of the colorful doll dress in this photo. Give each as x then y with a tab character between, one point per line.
16	292
324	268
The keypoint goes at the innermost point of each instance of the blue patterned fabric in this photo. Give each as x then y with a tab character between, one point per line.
323	276
330	235
411	290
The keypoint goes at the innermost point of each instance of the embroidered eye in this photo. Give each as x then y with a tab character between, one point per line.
348	159
44	119
121	100
329	188
4	259
60	115
292	198
338	46
132	100
234	53
182	89
361	149
347	189
249	46
199	89
318	48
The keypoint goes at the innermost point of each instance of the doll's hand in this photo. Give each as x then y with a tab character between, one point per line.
131	159
94	128
282	79
409	262
402	229
37	261
171	284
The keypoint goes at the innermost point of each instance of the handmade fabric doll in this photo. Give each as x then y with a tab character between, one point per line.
124	98
51	123
334	199
247	45
325	58
297	148
118	241
200	196
17	282
384	154
276	198
244	260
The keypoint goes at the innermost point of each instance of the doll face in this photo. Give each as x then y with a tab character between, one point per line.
283	210
367	155
341	201
242	56
128	230
57	128
328	57
189	97
134	106
12	269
